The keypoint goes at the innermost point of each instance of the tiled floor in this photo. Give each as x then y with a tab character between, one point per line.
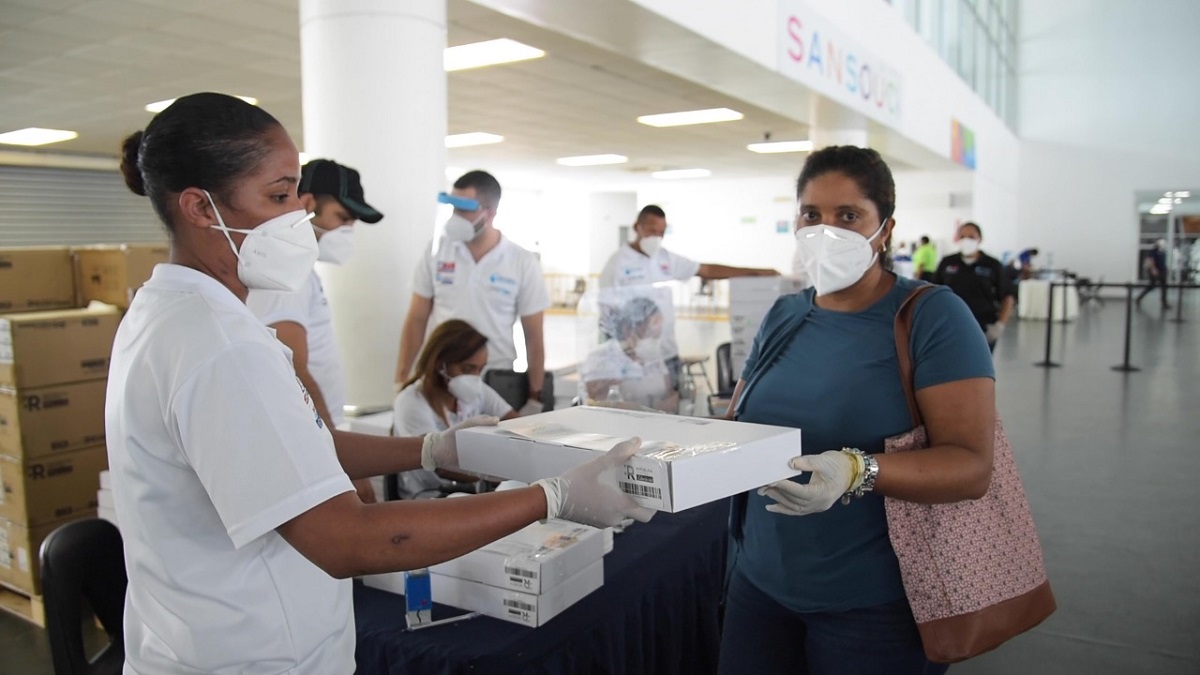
1111	464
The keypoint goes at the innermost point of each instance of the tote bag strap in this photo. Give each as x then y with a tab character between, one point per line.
903	331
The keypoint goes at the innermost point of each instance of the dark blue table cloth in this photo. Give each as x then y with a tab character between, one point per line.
657	614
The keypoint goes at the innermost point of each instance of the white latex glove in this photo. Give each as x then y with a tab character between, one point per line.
589	493
531	407
831	474
439	449
994	330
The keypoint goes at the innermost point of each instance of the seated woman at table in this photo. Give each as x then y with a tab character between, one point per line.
446	390
815	584
629	367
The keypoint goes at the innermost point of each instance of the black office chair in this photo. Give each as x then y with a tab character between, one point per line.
84	561
513	387
725	379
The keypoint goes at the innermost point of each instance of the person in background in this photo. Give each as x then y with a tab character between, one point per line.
902	260
1155	264
447	389
477	275
924	260
630	363
644	262
301	319
814	584
241	527
1028	259
980	280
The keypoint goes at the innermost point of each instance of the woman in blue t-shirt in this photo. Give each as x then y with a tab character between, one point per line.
815	586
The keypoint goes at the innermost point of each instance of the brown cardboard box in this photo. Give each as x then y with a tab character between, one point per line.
36	278
19	547
51	420
66	345
112	274
51	489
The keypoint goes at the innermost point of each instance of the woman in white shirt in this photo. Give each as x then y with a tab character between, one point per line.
241	527
447	389
630	366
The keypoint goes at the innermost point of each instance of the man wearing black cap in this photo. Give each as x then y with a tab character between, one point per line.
301	319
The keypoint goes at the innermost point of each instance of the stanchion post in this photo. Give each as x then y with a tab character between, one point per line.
1046	362
1125	367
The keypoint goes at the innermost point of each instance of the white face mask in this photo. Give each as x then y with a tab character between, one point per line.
834	258
968	246
278	255
336	246
461	229
650	245
466	388
648	350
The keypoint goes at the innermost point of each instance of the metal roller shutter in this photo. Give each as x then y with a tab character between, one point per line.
54	206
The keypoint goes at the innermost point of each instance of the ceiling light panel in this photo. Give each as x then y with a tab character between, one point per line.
684	118
592	160
674	174
472	138
489	53
780	146
36	136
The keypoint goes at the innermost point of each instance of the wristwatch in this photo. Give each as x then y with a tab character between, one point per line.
870	473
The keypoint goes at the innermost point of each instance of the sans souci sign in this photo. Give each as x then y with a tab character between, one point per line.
815	54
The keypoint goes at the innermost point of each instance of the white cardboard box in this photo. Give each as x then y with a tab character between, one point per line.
533	559
684	461
527	609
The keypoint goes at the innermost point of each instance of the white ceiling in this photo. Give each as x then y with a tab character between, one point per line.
91	66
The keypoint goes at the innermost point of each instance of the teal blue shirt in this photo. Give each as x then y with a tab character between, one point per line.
838	380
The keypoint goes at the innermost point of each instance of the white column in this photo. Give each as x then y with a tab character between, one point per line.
374	97
834	124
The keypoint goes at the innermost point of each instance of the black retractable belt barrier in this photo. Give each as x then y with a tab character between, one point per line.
1125	367
1179	304
1046	362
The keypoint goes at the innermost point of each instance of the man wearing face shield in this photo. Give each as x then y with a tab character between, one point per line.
980	280
479	276
644	262
301	319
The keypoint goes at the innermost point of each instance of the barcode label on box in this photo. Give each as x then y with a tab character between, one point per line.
519	604
637	490
518	572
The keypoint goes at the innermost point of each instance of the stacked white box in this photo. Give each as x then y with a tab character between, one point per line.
106	508
683	462
533	559
750	298
527	609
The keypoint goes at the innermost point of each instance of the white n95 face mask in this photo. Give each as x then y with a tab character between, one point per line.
649	350
336	246
465	388
968	246
834	258
650	245
461	229
278	255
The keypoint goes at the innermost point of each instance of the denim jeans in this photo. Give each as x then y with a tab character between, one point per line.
761	636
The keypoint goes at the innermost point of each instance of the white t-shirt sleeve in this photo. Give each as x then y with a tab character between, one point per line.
250	433
423	276
681	268
532	296
493	403
412	415
272	307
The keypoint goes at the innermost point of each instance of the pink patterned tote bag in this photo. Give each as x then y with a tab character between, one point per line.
973	570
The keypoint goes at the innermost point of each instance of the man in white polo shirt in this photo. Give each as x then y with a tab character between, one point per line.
477	275
301	319
644	262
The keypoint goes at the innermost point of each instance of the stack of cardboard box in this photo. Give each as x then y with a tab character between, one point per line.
54	360
528	577
750	298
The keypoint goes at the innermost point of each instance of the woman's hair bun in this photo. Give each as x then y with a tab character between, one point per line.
129	164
